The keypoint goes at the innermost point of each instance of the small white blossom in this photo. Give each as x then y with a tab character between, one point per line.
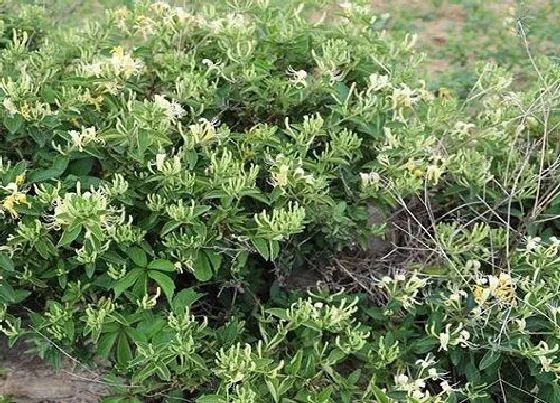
378	82
10	106
172	109
80	139
297	77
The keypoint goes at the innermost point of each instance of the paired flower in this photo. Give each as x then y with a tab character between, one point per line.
15	196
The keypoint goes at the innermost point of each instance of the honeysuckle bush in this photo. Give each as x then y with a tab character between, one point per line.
163	168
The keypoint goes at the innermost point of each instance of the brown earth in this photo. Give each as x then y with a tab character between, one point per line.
26	379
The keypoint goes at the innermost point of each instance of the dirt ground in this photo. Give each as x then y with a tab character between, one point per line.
26	379
446	20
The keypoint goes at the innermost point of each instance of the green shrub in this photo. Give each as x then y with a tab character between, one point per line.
165	167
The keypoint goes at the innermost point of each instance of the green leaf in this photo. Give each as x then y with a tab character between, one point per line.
141	286
138	256
69	235
90	269
354	377
105	344
273	389
274	247
295	363
183	298
161	264
262	247
50	121
278	312
380	395
489	358
165	282
113	257
170	226
136	336
215	260
143	143
7	293
127	281
6	263
210	399
147	329
124	354
13	123
335	356
174	396
81	167
201	268
59	165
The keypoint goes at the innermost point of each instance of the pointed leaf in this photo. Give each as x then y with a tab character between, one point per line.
124	354
165	282
127	281
138	256
6	262
201	268
161	264
489	358
215	260
69	235
105	344
170	226
13	123
59	165
274	247
262	247
184	298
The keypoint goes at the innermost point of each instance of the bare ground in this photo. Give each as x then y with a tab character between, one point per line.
26	379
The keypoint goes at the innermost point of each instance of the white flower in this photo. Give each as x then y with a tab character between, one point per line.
444	385
172	110
532	243
10	106
123	64
378	82
493	283
370	179
297	77
401	380
426	362
80	139
432	373
521	324
443	341
93	69
280	178
160	159
420	383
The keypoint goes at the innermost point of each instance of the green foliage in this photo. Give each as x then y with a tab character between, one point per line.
159	164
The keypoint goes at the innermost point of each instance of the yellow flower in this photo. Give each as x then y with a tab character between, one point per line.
505	292
433	173
410	165
25	111
12	200
478	294
20	179
121	12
